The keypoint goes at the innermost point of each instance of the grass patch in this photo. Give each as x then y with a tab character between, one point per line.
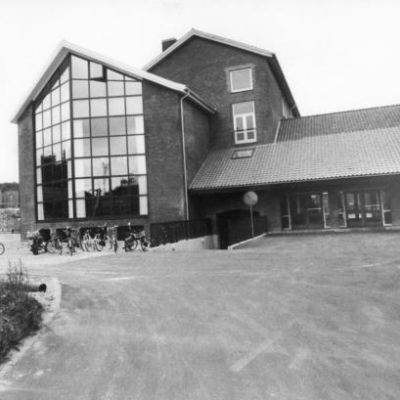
20	313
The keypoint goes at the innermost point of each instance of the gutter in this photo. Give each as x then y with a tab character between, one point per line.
198	100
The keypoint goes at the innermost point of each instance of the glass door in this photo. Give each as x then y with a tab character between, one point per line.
372	208
306	211
363	208
353	209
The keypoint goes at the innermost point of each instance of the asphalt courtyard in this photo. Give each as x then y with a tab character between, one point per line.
289	317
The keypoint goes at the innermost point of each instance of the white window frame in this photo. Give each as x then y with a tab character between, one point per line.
245	131
231	72
285	110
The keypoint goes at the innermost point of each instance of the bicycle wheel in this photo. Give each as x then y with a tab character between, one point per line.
144	244
135	244
51	248
71	246
85	245
98	245
59	247
2	249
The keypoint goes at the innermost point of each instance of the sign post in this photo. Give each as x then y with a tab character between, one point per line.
250	198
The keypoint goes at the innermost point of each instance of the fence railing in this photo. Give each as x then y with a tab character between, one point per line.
174	231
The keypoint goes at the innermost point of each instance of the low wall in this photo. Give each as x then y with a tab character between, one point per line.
206	242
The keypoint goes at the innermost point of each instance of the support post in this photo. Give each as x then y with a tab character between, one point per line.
252	221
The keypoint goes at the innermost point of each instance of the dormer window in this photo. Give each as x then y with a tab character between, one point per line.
244	122
241	80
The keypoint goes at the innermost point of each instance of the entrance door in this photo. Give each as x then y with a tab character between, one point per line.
306	211
372	208
363	208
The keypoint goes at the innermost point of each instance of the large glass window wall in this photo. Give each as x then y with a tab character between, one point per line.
90	146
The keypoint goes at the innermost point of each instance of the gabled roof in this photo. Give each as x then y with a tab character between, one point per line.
273	60
65	48
208	36
332	146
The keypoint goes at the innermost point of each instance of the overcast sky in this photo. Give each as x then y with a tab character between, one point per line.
336	55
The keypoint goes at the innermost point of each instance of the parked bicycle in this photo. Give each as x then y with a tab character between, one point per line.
37	243
111	237
2	249
71	239
134	238
54	245
95	243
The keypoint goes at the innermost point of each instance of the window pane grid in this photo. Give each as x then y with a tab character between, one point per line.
105	137
244	123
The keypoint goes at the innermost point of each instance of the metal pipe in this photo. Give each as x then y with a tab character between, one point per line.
184	157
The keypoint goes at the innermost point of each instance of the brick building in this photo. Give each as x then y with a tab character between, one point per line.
9	195
206	121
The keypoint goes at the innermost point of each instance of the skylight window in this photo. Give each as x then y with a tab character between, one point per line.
243	153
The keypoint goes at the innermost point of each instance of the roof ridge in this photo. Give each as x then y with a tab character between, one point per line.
210	36
233	41
340	112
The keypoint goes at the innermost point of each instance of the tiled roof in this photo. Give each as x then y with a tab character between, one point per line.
312	157
339	122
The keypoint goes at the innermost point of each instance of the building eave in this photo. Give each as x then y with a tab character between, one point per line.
273	185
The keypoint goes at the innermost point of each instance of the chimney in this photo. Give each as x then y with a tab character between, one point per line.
167	43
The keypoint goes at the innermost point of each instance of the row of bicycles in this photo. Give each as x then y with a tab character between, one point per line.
69	240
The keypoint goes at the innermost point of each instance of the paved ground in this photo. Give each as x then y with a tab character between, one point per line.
299	317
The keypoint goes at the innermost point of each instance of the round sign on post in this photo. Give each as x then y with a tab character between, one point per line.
250	198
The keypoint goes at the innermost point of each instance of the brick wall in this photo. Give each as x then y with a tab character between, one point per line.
9	198
197	137
197	141
164	153
204	66
26	172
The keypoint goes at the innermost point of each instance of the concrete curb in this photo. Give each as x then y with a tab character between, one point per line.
242	243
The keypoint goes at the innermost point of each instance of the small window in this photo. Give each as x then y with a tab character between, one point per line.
244	122
97	72
241	79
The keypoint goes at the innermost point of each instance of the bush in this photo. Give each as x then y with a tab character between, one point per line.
20	313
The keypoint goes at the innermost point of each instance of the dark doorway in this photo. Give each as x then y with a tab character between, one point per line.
234	226
306	211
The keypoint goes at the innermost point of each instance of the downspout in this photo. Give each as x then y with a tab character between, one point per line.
184	157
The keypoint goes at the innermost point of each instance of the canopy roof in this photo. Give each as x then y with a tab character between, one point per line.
331	146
